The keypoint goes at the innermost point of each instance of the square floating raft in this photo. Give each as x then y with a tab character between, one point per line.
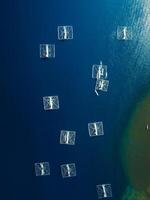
67	137
47	50
65	32
51	102
99	71
124	33
102	85
95	129
68	170
42	169
104	191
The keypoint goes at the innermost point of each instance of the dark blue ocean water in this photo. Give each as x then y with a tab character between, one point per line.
28	134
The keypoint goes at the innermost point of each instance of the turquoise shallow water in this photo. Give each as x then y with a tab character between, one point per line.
28	134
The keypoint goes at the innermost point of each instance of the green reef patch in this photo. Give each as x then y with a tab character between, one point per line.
135	152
